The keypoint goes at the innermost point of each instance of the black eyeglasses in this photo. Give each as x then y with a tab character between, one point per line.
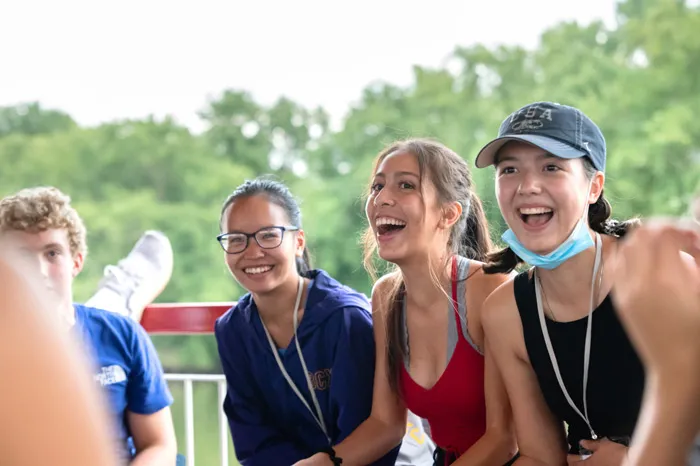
267	238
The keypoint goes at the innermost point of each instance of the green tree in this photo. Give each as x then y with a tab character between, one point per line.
31	118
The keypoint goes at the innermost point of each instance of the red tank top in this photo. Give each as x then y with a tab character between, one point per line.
455	406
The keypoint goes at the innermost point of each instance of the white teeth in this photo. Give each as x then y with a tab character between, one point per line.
535	210
389	221
256	270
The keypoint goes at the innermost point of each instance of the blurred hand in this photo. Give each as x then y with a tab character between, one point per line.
657	294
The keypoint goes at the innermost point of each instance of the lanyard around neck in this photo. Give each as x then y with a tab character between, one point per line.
318	415
587	347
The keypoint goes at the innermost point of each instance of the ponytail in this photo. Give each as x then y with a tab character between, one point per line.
600	221
304	263
503	261
475	241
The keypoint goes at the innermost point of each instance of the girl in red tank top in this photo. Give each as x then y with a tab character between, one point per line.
455	406
425	218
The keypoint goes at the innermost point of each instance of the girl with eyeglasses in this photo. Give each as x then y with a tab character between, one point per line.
298	349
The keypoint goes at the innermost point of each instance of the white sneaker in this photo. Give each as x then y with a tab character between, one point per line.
131	285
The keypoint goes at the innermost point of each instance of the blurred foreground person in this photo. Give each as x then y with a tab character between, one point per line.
657	294
40	366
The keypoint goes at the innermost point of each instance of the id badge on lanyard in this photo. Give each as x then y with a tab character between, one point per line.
318	414
587	347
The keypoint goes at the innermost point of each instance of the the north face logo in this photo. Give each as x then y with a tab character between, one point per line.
110	375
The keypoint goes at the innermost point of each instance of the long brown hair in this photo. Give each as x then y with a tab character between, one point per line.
469	237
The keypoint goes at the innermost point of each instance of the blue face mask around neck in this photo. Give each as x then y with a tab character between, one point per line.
578	241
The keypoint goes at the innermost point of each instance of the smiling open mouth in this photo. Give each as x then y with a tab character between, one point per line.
536	216
386	225
258	269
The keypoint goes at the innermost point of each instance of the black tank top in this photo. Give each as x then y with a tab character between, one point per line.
616	374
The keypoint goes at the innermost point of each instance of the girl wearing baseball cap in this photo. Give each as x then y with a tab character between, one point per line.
553	330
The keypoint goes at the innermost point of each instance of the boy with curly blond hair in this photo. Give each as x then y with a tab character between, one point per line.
42	224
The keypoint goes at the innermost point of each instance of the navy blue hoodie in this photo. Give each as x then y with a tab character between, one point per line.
270	426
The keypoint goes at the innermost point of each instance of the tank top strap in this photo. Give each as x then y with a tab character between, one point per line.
526	302
460	282
457	325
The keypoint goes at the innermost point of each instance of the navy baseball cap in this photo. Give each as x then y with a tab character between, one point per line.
561	130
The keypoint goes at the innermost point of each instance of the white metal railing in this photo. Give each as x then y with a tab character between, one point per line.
188	385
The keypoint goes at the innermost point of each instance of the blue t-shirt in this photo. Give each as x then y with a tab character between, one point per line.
126	367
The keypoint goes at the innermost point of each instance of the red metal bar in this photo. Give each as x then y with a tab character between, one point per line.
182	318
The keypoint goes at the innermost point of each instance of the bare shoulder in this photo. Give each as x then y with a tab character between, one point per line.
385	283
479	287
499	310
501	322
382	291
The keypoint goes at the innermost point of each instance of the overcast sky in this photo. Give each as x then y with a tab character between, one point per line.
101	61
